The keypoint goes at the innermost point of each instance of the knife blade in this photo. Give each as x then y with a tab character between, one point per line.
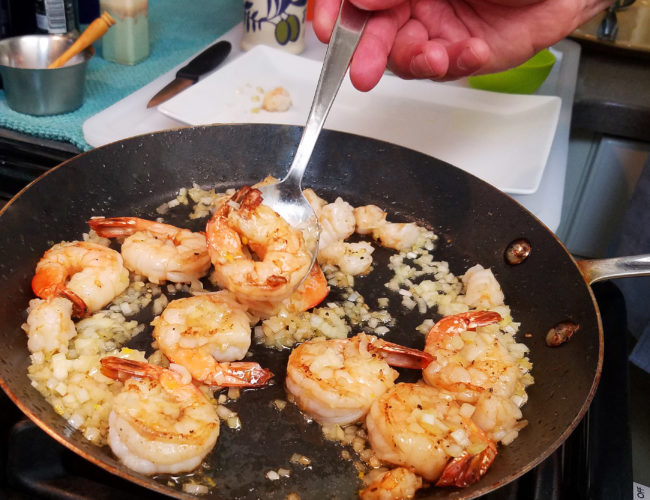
189	74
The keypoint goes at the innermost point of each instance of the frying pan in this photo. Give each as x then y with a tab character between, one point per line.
475	222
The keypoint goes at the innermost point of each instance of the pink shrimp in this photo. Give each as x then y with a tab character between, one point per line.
480	369
88	274
469	467
242	225
161	252
204	333
458	323
309	294
160	422
422	428
336	380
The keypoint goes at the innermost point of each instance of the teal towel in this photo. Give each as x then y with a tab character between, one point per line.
177	30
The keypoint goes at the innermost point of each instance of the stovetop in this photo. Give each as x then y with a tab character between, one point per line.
594	463
21	162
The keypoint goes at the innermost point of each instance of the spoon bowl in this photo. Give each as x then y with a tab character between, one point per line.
286	197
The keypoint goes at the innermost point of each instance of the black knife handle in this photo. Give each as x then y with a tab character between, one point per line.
207	60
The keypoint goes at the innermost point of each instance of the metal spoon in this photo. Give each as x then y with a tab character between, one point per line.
285	197
608	28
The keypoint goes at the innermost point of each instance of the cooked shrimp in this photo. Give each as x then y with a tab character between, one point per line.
336	380
309	294
477	368
160	252
351	258
203	333
49	326
397	235
277	99
422	428
482	288
160	422
336	221
456	324
88	274
370	219
468	364
316	202
395	484
243	223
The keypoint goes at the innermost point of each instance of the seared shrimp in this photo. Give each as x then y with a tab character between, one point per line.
49	326
395	484
203	333
336	380
468	363
88	274
310	293
160	422
477	368
243	223
161	252
421	428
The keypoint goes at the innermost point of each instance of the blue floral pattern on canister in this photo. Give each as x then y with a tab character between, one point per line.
287	26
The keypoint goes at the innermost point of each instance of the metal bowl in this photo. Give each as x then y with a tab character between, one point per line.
32	88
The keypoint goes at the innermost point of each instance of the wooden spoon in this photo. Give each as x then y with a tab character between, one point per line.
93	32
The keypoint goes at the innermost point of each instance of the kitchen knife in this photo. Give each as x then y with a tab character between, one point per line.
189	74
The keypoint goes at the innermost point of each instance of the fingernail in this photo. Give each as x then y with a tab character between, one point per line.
461	64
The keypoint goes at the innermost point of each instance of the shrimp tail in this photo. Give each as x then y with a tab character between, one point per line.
123	369
79	307
46	286
313	290
239	374
403	357
467	469
113	227
451	325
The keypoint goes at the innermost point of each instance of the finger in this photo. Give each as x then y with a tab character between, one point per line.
371	55
376	4
413	56
466	57
325	14
432	62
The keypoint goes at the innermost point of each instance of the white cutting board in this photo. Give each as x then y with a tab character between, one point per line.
130	116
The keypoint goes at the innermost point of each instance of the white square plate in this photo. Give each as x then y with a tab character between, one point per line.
502	138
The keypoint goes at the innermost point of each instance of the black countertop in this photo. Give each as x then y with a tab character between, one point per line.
613	92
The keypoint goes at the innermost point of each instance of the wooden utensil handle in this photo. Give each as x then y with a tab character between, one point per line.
93	32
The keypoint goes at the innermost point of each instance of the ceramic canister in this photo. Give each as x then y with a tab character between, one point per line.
277	23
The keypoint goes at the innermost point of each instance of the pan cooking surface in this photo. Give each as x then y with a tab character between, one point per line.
475	224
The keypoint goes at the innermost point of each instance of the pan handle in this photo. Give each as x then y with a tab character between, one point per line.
617	267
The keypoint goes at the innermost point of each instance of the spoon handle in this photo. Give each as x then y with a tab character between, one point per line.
345	37
93	32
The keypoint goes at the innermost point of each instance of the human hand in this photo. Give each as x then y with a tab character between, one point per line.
449	39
